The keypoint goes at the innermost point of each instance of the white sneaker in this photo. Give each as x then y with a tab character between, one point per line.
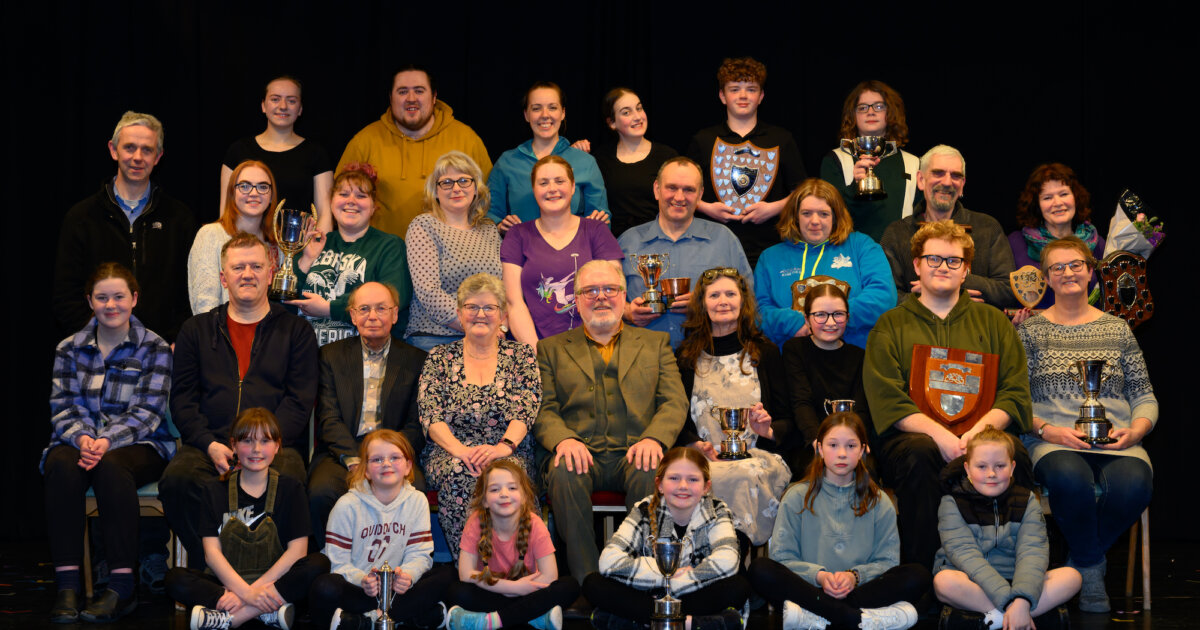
282	618
209	619
898	616
994	619
796	618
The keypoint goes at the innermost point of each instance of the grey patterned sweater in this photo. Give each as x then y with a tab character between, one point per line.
1052	348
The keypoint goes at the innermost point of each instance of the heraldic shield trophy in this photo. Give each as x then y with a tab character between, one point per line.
651	267
869	187
953	386
1092	422
668	611
384	599
734	421
293	232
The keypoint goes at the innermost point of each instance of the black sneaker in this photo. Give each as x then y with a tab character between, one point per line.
958	619
604	620
66	606
108	607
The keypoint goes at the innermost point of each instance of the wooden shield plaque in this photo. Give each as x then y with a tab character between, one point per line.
1123	289
953	386
800	289
1028	284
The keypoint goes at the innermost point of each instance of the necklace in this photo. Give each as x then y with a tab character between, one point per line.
490	354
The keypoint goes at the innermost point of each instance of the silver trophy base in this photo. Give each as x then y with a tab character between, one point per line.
1095	431
733	449
668	614
285	288
385	623
654	301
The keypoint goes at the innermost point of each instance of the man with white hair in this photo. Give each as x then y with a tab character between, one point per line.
942	176
613	404
133	222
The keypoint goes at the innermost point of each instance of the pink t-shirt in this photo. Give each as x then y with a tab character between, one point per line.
504	552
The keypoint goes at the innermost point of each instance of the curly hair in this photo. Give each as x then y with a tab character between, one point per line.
229	214
789	218
525	525
673	455
697	327
897	122
741	69
397	439
944	230
865	488
1029	211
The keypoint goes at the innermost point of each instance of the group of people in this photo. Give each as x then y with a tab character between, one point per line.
505	352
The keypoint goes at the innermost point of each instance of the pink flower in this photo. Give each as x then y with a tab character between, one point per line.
1141	217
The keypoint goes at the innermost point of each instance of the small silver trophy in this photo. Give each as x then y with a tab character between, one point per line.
668	611
651	267
1092	422
734	421
869	187
293	229
838	406
384	599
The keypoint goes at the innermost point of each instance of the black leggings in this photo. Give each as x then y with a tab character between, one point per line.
515	610
332	591
777	583
191	587
116	479
623	600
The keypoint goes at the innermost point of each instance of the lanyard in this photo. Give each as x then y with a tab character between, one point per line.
804	261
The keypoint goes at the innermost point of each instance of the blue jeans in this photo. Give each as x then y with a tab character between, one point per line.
429	342
1094	498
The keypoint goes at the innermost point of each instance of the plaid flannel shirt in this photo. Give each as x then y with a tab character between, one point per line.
121	397
709	546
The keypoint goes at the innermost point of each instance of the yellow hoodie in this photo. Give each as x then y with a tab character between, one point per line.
402	163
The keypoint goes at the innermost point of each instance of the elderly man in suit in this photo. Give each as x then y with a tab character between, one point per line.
367	382
613	403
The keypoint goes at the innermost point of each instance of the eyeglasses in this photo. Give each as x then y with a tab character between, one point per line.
463	183
712	274
365	310
864	107
822	316
592	293
934	261
473	309
245	187
390	460
1075	265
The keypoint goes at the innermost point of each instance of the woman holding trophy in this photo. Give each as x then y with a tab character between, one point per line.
248	207
1076	352
739	404
819	242
354	253
540	257
871	171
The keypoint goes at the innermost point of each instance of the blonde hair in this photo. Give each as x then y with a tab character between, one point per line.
359	474
524	527
461	162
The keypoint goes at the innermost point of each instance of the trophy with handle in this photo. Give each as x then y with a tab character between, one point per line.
869	187
293	232
651	267
1092	421
384	599
838	406
734	421
668	611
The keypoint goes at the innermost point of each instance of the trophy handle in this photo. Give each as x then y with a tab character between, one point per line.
827	401
1076	373
666	258
847	145
310	226
892	149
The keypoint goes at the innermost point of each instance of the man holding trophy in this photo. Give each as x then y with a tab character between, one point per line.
667	255
939	368
246	353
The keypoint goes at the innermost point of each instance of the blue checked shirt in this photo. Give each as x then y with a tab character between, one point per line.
121	397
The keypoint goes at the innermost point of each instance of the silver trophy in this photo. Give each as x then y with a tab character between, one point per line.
651	267
734	421
293	232
838	406
1092	422
668	611
384	599
869	187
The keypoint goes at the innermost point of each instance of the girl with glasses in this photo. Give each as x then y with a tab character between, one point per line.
478	398
335	263
248	205
726	361
873	108
452	240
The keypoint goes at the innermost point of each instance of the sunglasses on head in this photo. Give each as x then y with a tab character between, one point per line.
712	274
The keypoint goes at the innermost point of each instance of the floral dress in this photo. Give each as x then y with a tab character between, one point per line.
751	487
475	414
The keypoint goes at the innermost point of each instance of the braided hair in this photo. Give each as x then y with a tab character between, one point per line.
673	455
524	527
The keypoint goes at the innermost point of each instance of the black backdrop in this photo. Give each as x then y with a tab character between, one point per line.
1011	87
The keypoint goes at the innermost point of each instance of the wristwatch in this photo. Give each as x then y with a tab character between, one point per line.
1042	430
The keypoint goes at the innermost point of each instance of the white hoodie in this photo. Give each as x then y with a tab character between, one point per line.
363	532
